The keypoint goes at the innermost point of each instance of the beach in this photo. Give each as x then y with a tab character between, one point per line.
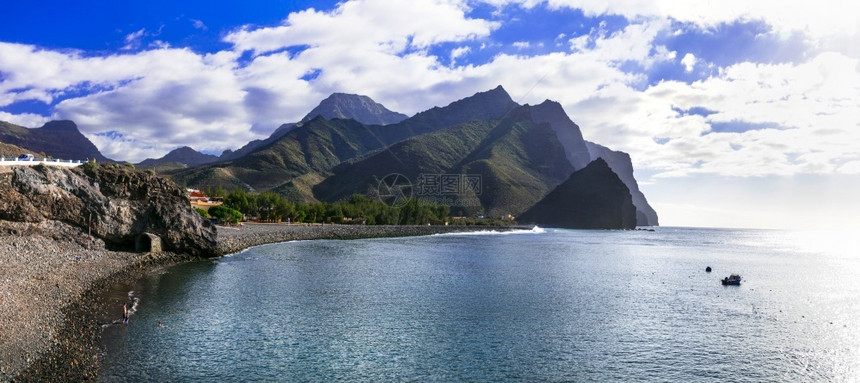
51	290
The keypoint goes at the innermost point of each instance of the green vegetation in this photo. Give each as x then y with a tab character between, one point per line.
319	145
358	209
89	167
225	214
516	158
201	212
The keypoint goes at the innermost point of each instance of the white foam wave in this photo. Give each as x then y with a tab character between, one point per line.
534	230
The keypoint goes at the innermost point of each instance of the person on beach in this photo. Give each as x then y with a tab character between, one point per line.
125	313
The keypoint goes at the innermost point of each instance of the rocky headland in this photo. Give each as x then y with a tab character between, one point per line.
592	198
115	203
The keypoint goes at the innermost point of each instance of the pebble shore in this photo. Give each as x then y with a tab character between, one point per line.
232	239
50	297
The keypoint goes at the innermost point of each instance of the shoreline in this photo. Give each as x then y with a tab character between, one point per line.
43	271
232	239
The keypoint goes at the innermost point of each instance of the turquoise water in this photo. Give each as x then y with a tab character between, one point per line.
544	305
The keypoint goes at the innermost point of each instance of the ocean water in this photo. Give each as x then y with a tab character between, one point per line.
539	305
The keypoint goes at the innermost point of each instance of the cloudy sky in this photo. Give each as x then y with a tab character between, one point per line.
736	113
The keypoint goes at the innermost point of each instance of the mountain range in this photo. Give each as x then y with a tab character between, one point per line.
513	155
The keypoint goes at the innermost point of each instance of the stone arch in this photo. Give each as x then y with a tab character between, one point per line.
148	242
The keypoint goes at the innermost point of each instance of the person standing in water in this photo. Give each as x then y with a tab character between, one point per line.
125	313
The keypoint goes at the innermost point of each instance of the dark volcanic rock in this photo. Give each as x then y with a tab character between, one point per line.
124	204
622	165
592	198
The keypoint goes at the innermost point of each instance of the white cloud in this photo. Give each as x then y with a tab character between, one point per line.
803	114
457	53
689	62
198	24
132	40
818	19
790	119
390	25
139	104
852	167
24	119
521	44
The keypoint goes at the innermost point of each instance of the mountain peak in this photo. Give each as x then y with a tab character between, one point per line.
357	107
184	155
498	94
60	125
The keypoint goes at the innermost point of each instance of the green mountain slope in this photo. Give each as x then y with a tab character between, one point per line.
318	145
516	160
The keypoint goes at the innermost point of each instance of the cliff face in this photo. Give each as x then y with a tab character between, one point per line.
567	131
123	203
592	198
621	164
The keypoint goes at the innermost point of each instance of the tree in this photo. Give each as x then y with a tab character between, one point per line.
225	214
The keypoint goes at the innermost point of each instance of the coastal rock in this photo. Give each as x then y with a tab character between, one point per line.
622	165
592	198
123	205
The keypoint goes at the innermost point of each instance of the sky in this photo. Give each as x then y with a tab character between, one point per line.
735	113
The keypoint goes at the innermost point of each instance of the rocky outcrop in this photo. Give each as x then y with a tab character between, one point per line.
123	205
592	198
622	165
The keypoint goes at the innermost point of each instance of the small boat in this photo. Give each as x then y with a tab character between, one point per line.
731	280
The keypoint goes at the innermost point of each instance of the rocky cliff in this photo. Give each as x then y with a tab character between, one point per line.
622	165
123	203
567	131
592	198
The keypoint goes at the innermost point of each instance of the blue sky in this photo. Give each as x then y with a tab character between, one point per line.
749	98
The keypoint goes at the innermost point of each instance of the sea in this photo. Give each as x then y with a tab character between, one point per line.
546	305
